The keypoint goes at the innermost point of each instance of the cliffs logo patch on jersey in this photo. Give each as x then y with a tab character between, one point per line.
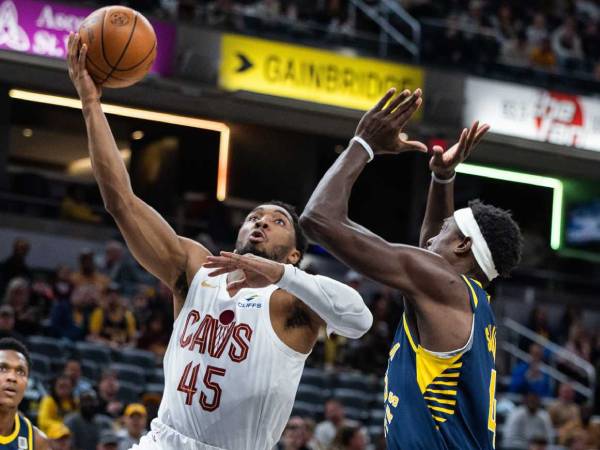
214	336
22	443
248	302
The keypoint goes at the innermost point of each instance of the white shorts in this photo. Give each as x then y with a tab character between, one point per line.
163	437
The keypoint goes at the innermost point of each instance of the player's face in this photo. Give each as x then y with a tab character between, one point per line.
14	374
447	240
268	231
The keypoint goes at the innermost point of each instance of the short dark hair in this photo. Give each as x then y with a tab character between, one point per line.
9	343
502	234
301	239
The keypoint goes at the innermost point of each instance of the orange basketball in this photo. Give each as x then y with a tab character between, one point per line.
121	46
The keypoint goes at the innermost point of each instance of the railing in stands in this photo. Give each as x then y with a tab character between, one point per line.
381	13
558	352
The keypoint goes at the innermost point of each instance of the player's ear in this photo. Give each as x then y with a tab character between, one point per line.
464	246
294	257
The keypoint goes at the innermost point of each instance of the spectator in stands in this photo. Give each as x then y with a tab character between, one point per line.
108	441
582	435
15	265
7	323
136	421
580	344
542	55
527	422
59	403
587	10
309	430
108	392
335	419
74	207
69	318
505	25
349	437
88	274
563	411
87	424
73	371
567	45
538	323
294	435
62	287
27	316
140	303
112	323
119	267
59	437
528	377
537	32
155	335
515	51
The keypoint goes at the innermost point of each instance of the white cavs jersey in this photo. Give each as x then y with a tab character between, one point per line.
230	382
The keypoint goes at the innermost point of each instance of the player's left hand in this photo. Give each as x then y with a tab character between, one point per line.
258	272
382	125
443	163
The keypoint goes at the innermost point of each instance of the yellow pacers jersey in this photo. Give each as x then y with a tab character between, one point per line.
433	402
21	438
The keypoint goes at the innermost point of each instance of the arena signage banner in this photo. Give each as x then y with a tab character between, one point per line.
536	114
309	74
42	28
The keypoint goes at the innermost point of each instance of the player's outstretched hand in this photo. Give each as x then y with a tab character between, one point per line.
87	90
443	163
258	272
382	125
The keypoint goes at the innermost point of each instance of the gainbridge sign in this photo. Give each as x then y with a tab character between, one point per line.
309	74
536	114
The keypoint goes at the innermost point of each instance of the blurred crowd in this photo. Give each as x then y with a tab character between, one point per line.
546	35
107	299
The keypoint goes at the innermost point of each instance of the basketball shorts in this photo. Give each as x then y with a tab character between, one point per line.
163	437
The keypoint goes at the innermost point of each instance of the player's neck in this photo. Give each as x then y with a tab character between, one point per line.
7	421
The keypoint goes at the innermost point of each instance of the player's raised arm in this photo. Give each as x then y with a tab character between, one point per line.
325	218
440	199
149	237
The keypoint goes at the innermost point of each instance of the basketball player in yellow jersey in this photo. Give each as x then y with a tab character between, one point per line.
440	382
16	431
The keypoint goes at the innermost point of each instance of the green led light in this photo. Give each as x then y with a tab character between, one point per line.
534	180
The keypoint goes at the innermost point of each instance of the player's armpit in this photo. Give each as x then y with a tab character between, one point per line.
294	324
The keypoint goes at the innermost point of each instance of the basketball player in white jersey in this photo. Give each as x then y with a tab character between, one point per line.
244	323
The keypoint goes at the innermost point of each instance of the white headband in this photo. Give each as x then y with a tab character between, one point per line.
468	226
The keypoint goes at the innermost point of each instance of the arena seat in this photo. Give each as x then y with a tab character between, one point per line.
44	345
41	367
310	394
97	353
130	392
136	357
129	373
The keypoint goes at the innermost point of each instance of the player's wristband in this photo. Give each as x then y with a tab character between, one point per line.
364	145
442	181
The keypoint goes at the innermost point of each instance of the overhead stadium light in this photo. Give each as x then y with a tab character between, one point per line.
137	113
526	178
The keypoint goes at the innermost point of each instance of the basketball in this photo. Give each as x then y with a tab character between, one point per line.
121	46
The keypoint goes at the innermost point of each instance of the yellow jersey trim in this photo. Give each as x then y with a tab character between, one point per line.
441	400
407	331
30	428
440	409
11	437
475	299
